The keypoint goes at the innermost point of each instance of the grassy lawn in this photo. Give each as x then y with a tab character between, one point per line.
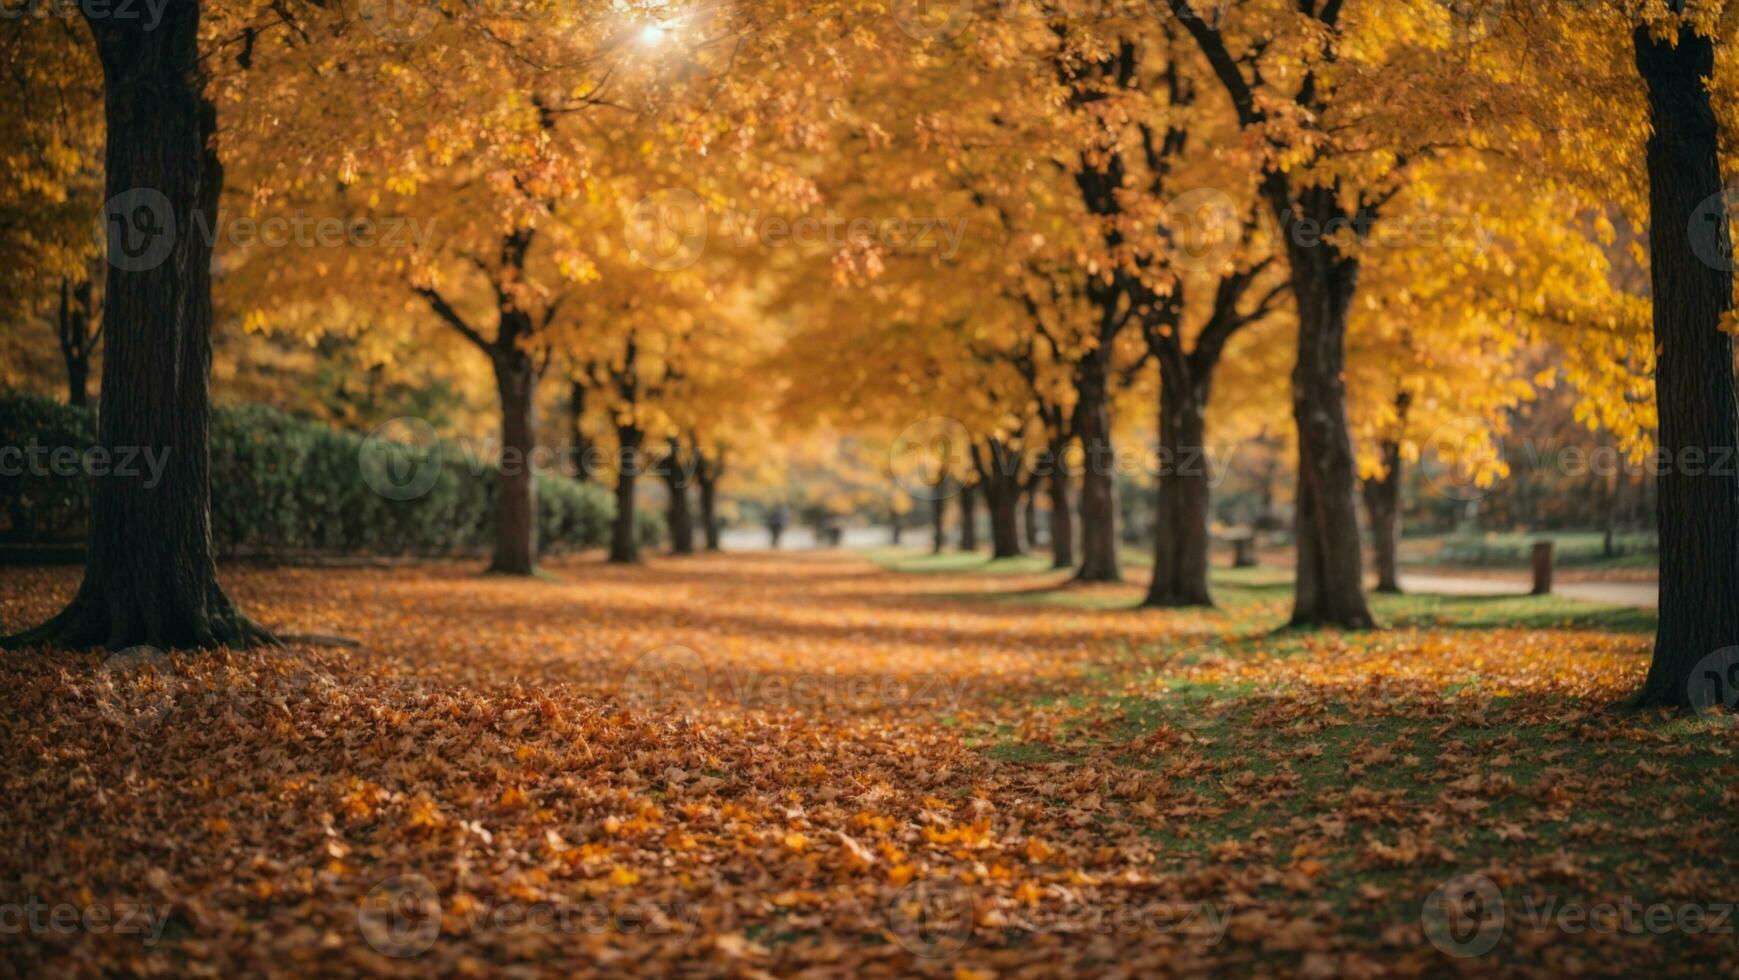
1473	736
1570	549
1248	598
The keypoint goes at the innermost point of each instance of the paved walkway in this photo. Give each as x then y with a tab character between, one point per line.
1643	595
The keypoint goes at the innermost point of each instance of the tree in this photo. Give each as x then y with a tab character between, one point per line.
1329	587
79	328
518	363
1693	293
496	140
53	201
149	573
709	469
677	473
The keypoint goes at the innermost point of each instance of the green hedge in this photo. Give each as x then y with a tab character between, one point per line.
280	485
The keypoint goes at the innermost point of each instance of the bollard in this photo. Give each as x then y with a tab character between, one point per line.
1542	568
1244	552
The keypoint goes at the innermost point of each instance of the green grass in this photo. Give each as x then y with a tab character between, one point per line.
1250	775
1517	611
910	561
1402	765
1255	598
1570	549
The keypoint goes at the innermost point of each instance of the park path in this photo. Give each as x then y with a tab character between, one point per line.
1643	595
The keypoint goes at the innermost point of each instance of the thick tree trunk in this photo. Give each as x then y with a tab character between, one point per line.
1004	525
709	521
624	543
1693	282
678	516
1098	476
1180	529
1383	510
968	517
1062	517
516	500
1330	587
149	573
896	529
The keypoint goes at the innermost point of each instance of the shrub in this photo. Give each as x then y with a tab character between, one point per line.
39	506
282	485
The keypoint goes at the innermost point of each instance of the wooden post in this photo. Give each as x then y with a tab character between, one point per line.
1244	551
1542	568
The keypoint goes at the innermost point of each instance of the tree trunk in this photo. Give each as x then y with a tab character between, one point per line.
709	521
1180	528
1030	516
1004	524
1062	517
968	517
584	465
679	517
1000	477
624	543
1383	509
78	373
895	528
150	577
76	339
516	500
1330	588
1098	477
938	519
1698	494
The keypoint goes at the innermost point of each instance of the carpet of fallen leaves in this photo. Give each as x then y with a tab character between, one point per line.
810	765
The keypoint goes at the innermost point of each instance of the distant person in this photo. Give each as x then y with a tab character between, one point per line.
777	520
